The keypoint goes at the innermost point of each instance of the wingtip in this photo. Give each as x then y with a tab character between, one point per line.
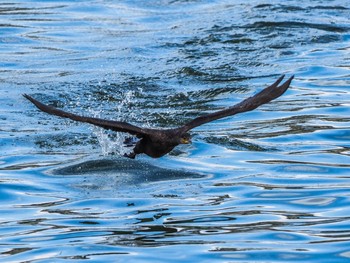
289	80
278	81
28	97
285	85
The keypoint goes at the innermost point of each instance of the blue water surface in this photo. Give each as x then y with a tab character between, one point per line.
271	185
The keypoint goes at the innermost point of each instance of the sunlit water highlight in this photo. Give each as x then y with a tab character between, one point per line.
266	186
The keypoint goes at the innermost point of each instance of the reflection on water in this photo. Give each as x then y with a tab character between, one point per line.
266	186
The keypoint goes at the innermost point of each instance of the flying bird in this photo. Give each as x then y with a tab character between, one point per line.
158	142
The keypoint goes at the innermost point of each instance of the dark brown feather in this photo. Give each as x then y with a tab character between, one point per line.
158	142
266	95
106	124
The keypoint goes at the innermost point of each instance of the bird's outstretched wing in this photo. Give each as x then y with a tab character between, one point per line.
106	124
270	93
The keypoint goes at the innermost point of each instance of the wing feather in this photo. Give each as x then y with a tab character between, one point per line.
270	93
106	124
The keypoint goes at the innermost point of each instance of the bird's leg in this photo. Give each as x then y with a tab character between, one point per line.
130	142
135	151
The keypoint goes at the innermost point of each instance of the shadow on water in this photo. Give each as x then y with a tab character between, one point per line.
116	173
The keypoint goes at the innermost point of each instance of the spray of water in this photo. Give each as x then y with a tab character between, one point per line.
113	142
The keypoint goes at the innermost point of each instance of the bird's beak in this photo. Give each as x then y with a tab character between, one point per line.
185	140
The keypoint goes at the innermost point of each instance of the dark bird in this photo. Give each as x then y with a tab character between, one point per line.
158	142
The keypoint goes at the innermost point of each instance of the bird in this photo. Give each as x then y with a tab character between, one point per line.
158	142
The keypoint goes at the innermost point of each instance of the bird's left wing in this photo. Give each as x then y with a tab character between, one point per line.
106	124
270	93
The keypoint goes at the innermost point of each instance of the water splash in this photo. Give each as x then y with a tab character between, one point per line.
112	143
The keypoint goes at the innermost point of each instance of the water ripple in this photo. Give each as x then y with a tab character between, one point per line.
269	185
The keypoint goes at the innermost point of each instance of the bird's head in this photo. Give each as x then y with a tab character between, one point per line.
185	138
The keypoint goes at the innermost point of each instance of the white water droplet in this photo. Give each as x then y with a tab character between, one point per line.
113	142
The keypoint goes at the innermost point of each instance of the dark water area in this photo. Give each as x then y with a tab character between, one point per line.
270	185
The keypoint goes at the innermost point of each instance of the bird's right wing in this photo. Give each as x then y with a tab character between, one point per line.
266	95
106	124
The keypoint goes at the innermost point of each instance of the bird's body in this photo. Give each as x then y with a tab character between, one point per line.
158	142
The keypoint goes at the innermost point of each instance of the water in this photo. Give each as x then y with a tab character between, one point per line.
266	186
